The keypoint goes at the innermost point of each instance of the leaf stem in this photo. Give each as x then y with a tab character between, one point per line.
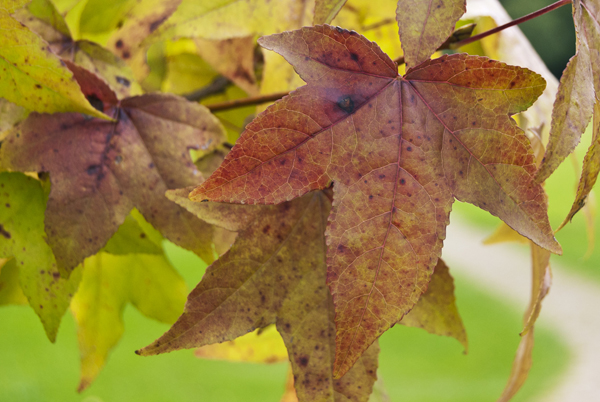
254	100
520	20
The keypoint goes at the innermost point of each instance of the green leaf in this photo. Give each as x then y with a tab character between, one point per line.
111	282
32	76
10	289
130	238
22	205
436	310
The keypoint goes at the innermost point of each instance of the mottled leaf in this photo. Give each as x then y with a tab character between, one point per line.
512	46
10	289
32	76
398	151
111	282
281	282
233	58
425	25
22	236
10	114
326	10
436	310
42	18
100	170
541	280
578	89
260	346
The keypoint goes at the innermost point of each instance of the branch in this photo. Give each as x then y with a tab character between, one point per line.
527	17
255	100
217	86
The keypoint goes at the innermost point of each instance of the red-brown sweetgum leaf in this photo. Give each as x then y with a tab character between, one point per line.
281	282
425	25
100	170
398	150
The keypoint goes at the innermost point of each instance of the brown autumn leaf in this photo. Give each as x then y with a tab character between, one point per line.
281	282
425	25
540	285
100	170
398	150
576	103
233	58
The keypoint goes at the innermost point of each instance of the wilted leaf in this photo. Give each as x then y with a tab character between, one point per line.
589	170
579	86
281	282
436	310
100	170
398	151
233	58
10	289
425	25
260	346
541	280
22	237
326	10
111	282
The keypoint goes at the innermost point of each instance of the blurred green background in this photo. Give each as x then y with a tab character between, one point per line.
414	365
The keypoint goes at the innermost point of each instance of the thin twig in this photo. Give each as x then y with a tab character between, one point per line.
512	23
217	86
255	100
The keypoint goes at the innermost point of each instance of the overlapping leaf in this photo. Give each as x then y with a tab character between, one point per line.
425	25
32	76
10	290
398	150
100	170
576	102
42	17
283	282
22	237
111	282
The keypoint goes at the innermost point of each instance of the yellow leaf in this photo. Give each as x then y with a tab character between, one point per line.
10	290
260	346
109	283
33	76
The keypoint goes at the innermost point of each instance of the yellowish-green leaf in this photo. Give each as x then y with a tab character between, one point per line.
10	114
33	77
326	10
111	282
425	25
505	233
9	6
22	205
260	346
223	19
10	289
130	238
436	310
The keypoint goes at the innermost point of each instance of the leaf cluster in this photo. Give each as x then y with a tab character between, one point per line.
322	215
